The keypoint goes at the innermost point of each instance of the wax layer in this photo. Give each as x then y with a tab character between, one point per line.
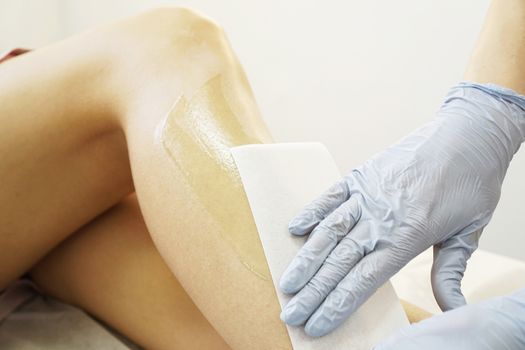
197	135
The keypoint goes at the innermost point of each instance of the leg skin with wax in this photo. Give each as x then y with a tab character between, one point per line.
197	135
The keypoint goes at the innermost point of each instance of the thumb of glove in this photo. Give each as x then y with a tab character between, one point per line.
450	263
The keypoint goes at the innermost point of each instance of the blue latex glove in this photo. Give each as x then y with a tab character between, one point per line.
438	186
498	323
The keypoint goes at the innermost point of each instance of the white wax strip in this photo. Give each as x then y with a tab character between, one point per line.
279	179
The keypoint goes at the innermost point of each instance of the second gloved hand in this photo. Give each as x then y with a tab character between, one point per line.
497	323
437	187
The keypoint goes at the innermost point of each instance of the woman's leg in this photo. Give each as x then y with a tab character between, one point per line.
499	54
65	158
179	132
111	269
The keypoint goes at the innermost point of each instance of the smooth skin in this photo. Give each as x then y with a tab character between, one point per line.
111	268
79	114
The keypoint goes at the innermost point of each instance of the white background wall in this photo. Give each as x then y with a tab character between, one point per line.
355	75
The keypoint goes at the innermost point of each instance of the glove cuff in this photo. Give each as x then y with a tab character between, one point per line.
490	120
511	108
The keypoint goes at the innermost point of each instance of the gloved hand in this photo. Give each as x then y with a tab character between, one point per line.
498	323
439	186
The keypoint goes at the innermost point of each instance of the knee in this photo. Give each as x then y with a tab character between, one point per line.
172	40
164	52
180	29
176	18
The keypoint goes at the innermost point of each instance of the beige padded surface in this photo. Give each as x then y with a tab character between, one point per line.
488	275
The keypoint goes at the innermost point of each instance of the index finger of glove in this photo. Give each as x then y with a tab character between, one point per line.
316	211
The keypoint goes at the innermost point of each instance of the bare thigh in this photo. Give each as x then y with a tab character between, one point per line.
63	159
111	269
